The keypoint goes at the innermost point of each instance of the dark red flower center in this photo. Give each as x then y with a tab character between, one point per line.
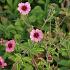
24	8
49	58
36	35
0	63
10	45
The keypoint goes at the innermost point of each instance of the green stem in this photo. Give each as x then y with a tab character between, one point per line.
25	20
48	19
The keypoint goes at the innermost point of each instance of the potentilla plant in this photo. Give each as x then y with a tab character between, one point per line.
34	39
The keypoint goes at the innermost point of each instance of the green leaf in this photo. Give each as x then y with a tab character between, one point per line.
46	7
2	49
10	3
63	68
46	28
11	29
32	18
64	63
27	66
41	1
18	57
37	13
36	50
18	66
60	1
3	1
63	52
27	59
30	1
16	3
17	37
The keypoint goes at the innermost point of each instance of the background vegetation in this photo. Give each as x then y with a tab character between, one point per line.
50	16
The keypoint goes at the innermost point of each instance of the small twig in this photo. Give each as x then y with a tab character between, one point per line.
35	64
45	21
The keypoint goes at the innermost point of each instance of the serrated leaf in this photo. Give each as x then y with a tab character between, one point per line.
27	59
36	50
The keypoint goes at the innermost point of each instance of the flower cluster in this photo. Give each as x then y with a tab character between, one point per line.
10	45
36	35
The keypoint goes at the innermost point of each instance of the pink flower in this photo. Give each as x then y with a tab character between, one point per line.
2	63
10	45
36	35
24	8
